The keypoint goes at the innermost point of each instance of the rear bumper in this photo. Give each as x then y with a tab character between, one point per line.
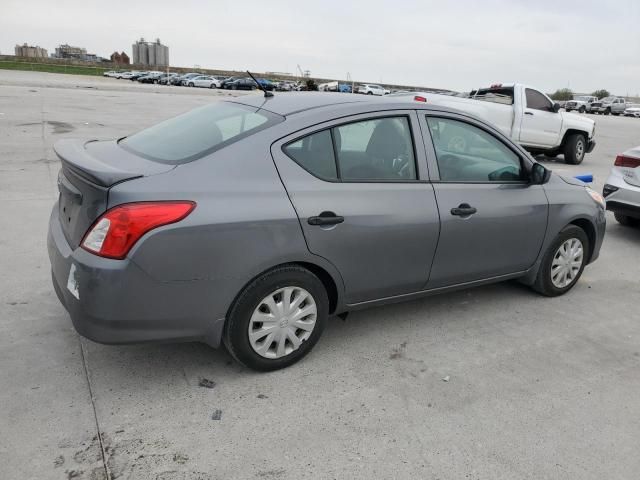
621	196
119	303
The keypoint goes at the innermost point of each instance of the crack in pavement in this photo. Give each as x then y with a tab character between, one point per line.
95	413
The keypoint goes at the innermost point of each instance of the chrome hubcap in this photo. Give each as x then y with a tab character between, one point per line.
567	263
282	321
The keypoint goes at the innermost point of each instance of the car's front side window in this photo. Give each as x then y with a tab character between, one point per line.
374	150
466	153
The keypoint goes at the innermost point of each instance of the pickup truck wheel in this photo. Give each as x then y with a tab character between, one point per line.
607	111
574	149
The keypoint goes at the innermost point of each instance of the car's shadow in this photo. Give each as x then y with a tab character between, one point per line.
161	363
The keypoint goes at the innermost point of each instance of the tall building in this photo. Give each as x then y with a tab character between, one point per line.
150	53
29	51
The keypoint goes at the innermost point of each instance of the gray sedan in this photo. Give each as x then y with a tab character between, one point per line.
248	222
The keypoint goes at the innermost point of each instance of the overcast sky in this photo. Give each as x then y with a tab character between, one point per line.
583	44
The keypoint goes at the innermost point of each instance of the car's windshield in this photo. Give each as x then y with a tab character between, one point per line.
196	133
608	99
581	99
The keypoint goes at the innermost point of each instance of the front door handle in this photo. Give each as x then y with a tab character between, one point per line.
325	218
463	210
528	113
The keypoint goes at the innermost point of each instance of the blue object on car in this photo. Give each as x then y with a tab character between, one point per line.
586	178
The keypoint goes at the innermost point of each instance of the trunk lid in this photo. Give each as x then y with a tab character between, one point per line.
89	170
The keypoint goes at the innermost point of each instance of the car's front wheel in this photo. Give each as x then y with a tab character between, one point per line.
277	319
563	262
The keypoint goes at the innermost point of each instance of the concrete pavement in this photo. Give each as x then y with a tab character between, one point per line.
537	388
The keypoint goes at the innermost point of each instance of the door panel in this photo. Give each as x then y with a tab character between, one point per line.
385	244
504	235
540	124
492	221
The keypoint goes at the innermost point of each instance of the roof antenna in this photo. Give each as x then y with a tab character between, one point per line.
267	93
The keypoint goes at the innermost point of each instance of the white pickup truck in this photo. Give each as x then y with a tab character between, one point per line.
527	116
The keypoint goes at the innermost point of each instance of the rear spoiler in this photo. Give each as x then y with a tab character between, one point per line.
104	163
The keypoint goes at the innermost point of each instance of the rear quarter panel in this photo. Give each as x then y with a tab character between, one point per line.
243	224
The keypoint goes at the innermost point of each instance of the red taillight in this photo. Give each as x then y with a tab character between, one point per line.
118	229
628	162
418	98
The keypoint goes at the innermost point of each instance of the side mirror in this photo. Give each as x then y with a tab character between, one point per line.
556	107
539	174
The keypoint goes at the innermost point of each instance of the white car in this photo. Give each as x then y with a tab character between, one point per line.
527	116
371	89
622	190
128	75
111	73
633	111
205	81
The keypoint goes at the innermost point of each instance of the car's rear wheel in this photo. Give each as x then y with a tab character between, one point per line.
191	84
563	262
626	220
582	109
575	147
213	85
277	319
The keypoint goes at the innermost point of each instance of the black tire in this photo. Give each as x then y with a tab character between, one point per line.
574	149
543	283
155	82
191	84
369	93
582	109
607	111
236	337
213	85
626	220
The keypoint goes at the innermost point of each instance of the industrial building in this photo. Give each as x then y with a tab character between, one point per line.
77	53
120	58
29	51
150	53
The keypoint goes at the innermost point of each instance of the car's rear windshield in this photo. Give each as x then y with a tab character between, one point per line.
199	132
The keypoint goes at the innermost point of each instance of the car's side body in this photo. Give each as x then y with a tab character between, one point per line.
609	105
254	205
580	103
370	89
632	111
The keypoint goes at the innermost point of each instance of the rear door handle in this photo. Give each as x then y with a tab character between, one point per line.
463	210
528	113
325	218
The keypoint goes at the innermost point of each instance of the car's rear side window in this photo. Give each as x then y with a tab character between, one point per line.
315	154
199	132
374	150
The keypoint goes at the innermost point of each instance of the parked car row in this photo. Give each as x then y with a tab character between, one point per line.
199	79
